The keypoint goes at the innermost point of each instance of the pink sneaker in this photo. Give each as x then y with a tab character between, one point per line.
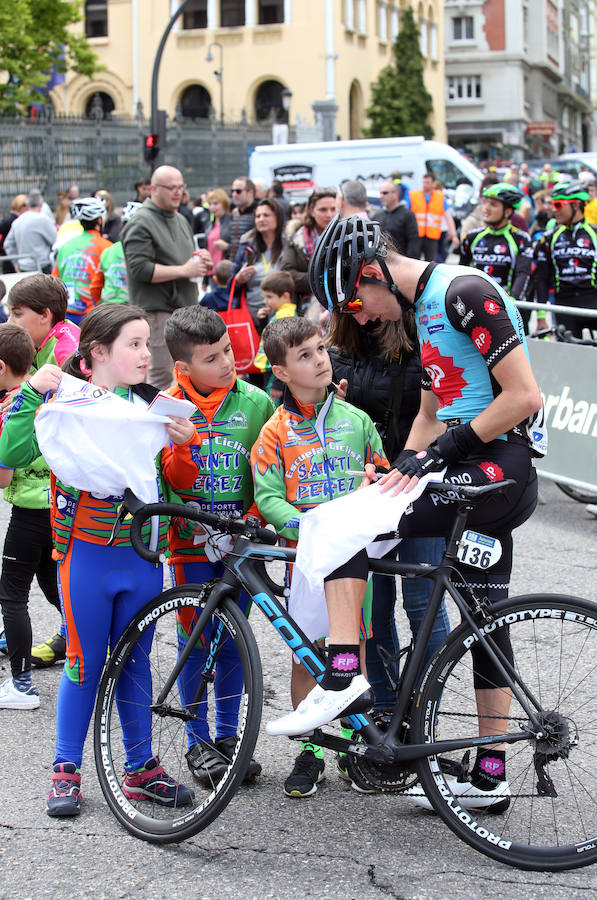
152	783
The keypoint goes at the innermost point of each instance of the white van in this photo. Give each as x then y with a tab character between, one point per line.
326	164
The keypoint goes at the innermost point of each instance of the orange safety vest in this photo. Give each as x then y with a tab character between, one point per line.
429	216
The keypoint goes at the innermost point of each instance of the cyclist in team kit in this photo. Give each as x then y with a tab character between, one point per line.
478	401
566	258
500	249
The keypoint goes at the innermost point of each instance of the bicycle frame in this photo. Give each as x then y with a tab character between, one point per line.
381	746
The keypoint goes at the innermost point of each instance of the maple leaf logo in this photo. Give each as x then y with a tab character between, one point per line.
446	377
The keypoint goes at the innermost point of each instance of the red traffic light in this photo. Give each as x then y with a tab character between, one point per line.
152	147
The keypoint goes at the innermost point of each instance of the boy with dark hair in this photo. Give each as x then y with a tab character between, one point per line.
22	558
277	289
217	299
228	417
38	304
304	456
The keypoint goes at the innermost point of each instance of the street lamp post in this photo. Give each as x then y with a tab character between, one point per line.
219	74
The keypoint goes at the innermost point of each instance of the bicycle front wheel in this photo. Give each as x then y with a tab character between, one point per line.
136	717
550	823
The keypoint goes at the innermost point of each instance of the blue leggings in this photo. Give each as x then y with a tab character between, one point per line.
415	596
101	589
228	681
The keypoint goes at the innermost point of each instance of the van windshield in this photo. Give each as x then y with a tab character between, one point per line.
445	171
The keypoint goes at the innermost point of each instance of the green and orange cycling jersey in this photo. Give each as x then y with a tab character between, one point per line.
305	456
76	264
109	281
227	423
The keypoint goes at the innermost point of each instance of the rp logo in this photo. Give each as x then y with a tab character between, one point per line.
481	339
436	374
492	471
491	307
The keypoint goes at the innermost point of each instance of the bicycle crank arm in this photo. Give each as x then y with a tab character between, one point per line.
380	753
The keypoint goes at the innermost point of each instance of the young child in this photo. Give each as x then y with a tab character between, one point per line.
22	548
217	299
277	290
229	416
37	303
301	460
102	587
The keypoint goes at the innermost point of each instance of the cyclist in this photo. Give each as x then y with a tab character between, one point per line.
500	249
478	397
78	259
566	257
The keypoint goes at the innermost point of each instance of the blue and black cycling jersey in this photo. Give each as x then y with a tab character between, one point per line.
466	324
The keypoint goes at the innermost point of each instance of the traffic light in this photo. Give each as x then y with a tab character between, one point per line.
151	147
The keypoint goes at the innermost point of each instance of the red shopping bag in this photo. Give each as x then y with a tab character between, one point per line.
242	331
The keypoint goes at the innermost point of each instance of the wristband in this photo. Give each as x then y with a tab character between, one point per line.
35	391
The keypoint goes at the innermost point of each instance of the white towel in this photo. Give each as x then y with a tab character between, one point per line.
331	534
96	441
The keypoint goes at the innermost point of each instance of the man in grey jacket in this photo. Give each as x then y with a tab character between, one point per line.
161	264
33	235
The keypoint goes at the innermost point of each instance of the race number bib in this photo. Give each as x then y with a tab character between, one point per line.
479	550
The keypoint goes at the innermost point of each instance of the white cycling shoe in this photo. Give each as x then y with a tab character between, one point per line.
468	796
321	707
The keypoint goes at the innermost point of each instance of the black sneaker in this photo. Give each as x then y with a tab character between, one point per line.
226	747
306	774
65	797
208	761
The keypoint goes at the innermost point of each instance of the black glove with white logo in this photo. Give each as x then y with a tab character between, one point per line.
451	447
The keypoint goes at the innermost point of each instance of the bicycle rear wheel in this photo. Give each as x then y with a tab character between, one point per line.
127	705
551	821
578	494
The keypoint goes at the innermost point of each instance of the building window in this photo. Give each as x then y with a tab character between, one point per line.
382	21
462	28
433	51
195	15
268	102
271	12
423	38
195	102
362	16
232	12
349	14
99	106
394	23
96	18
463	88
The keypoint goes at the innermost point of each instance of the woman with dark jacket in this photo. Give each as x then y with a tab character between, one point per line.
321	209
378	368
259	254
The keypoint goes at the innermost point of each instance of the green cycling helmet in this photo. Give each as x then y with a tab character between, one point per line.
572	190
507	194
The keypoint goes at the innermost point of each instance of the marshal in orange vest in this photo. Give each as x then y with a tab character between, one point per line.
429	215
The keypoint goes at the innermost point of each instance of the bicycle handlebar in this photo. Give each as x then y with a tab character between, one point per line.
250	527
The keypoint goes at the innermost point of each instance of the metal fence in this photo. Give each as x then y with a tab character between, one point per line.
53	153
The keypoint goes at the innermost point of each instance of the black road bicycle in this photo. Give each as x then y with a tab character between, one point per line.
550	732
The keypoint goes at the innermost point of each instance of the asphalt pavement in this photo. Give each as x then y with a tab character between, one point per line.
335	844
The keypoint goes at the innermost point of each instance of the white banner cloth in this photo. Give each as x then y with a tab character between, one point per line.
331	534
96	441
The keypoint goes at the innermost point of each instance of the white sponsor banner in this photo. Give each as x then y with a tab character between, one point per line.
567	376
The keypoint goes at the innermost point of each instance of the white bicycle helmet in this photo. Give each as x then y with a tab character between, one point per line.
87	209
129	209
